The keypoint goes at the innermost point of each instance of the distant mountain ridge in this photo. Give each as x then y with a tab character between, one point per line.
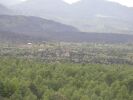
28	28
92	25
4	10
87	15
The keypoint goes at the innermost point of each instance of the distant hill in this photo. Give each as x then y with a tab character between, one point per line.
29	28
87	15
4	10
6	36
35	25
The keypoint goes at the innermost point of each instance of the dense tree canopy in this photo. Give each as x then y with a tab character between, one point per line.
22	79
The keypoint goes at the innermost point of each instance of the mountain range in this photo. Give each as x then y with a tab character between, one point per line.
87	15
18	28
55	20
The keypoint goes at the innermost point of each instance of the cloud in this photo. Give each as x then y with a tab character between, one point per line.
71	1
9	2
128	3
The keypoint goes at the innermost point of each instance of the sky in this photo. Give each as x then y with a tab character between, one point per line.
71	1
128	3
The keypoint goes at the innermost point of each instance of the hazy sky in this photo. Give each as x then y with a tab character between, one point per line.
128	3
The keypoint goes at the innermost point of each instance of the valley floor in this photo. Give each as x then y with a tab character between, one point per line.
52	71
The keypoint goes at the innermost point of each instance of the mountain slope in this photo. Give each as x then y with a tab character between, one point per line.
29	28
9	37
4	10
33	27
87	15
104	8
